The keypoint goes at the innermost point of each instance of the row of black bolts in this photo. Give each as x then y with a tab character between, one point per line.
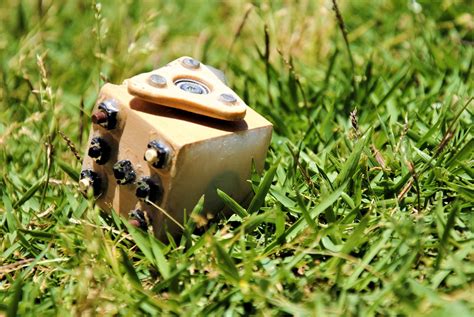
146	188
156	153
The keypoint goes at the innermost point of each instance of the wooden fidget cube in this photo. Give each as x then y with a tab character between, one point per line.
163	139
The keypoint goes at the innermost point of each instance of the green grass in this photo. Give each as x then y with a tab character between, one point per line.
366	206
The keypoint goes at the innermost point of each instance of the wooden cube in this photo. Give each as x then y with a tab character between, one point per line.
152	155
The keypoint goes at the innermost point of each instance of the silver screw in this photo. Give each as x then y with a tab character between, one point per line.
191	63
192	86
227	98
157	80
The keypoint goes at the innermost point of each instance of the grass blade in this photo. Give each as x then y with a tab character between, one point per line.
72	172
160	259
299	225
130	269
352	162
305	212
16	297
232	204
225	262
30	192
262	190
142	241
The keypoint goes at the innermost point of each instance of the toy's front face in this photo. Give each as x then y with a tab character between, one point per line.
165	138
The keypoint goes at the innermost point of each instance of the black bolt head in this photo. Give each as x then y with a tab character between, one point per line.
147	189
107	114
99	150
138	219
123	172
161	151
91	180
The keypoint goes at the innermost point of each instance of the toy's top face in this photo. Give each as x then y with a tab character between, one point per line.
188	85
181	127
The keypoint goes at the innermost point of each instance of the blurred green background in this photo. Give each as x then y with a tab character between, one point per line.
366	205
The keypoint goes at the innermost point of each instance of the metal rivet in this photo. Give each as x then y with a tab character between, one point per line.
227	98
190	63
156	80
156	154
99	117
151	156
85	184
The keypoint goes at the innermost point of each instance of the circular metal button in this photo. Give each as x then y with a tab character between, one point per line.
190	63
227	98
157	80
192	86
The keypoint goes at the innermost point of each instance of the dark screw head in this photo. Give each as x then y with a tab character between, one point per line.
99	150
94	151
138	219
106	116
143	190
90	179
147	189
123	172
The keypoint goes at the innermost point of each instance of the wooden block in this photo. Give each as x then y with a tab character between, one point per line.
170	156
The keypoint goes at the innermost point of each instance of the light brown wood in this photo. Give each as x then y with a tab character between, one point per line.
169	94
204	154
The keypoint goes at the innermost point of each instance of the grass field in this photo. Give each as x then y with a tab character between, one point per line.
366	204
